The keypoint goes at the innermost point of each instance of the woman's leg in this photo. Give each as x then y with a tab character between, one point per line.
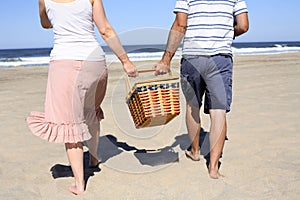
75	156
98	90
93	144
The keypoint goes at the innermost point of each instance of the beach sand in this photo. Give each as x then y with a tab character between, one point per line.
260	159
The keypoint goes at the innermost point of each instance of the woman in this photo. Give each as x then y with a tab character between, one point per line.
77	79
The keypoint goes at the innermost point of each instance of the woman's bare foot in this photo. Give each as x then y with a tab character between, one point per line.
94	162
194	157
76	190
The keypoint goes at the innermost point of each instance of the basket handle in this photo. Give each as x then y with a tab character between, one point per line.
152	70
141	72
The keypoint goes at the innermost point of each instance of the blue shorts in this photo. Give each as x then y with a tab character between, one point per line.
209	75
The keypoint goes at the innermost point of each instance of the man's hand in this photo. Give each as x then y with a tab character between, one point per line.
161	68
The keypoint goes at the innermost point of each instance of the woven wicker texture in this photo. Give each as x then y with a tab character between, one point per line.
154	102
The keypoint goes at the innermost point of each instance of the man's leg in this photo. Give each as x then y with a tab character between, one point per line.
193	127
217	139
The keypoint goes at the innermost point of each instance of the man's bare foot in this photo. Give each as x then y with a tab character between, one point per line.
194	157
215	174
76	190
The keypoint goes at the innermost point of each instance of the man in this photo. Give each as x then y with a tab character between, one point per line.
208	28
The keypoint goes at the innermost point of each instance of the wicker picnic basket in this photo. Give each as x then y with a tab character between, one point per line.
153	102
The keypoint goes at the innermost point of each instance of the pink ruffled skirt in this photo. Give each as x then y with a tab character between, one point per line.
75	91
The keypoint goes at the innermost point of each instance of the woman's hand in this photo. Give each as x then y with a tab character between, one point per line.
130	69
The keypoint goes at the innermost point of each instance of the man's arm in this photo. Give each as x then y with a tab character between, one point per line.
242	24
175	37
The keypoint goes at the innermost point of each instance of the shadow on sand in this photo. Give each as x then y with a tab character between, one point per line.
63	171
109	147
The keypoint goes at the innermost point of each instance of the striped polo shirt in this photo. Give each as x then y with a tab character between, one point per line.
210	25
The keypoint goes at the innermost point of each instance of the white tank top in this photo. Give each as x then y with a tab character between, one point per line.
73	27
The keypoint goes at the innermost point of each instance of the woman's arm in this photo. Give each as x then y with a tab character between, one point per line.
111	38
45	22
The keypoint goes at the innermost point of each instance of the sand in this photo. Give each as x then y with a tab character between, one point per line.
260	159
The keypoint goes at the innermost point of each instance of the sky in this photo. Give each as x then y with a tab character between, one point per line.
146	21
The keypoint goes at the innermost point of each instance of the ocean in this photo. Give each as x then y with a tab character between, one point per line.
40	56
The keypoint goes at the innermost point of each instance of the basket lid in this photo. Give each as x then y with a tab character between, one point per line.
151	82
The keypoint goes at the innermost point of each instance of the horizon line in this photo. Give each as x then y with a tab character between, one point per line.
24	48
